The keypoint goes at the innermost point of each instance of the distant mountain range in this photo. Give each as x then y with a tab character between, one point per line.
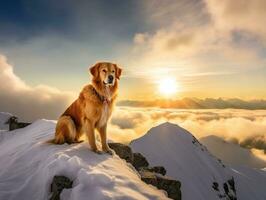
195	103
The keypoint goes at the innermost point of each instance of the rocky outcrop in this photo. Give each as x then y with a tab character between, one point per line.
58	184
151	175
14	124
157	169
139	161
123	151
171	186
227	190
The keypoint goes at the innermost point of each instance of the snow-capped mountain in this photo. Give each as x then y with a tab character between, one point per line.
28	165
231	153
202	175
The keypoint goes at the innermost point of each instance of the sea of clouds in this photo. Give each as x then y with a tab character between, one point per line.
244	127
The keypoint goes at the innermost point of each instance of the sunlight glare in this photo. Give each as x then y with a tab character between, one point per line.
168	86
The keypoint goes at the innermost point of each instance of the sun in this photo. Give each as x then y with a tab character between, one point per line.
168	86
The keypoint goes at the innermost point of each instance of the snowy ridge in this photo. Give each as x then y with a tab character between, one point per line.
190	162
28	166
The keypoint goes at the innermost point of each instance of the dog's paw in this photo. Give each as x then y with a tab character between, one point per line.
109	151
97	151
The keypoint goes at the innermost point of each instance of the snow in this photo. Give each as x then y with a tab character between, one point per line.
251	183
230	153
28	165
190	162
4	116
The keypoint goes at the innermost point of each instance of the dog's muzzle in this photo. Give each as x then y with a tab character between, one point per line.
109	80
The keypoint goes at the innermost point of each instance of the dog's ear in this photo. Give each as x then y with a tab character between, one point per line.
94	70
118	71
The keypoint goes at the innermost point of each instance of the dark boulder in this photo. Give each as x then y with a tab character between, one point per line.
171	186
139	161
215	186
58	184
123	151
157	169
15	124
150	175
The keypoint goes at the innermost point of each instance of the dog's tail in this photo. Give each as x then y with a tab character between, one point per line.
51	141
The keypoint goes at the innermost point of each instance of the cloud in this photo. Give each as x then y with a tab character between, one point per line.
255	141
239	15
28	102
244	127
208	35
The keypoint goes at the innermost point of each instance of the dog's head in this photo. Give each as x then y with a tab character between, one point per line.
106	73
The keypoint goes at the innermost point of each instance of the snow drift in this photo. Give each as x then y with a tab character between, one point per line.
28	166
203	176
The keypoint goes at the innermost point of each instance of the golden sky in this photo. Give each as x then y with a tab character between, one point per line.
202	48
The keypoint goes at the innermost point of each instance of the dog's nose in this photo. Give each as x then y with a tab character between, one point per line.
110	78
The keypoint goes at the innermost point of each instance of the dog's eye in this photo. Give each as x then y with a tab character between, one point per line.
104	71
113	71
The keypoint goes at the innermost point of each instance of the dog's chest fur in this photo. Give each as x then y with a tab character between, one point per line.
105	114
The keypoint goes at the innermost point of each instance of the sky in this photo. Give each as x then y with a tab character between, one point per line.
210	48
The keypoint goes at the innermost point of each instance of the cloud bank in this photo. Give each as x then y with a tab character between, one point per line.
29	103
244	127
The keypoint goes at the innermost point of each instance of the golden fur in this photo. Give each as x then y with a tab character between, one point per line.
91	110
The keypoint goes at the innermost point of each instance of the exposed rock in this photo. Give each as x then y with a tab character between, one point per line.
123	151
157	169
150	175
231	182
58	184
139	161
172	187
14	124
228	190
215	186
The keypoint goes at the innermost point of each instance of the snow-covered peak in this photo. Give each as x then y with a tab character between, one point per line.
184	159
202	175
28	165
168	132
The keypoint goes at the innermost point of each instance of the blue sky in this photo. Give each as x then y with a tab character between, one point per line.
50	36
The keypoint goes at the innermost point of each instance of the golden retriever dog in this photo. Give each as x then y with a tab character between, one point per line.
92	109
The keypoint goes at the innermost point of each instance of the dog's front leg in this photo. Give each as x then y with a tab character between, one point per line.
105	147
89	129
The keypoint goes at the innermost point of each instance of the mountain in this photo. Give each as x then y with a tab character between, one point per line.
195	103
202	175
28	165
231	153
